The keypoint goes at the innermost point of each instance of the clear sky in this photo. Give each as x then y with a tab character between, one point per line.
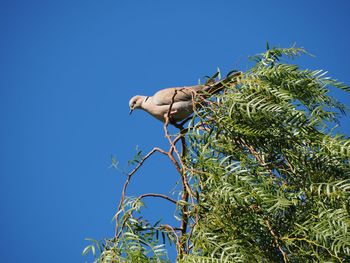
67	71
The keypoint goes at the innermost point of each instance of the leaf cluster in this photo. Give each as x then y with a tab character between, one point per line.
273	177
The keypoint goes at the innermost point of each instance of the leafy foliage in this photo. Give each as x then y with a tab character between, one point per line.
273	178
269	175
136	241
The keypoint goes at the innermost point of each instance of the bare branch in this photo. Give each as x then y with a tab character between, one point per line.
157	195
156	149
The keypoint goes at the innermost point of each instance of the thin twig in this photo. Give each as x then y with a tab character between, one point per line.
157	195
156	149
276	240
168	226
178	244
178	164
177	138
257	156
185	196
170	107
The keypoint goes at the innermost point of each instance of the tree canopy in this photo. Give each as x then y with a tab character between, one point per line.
264	170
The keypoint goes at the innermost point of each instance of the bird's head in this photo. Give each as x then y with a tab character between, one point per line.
135	103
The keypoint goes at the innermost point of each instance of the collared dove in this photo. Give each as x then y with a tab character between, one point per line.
158	105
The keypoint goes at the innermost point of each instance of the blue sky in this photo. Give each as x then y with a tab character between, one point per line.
68	70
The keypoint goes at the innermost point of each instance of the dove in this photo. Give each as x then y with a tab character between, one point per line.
180	100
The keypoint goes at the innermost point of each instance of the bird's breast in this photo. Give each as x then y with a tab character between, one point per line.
179	110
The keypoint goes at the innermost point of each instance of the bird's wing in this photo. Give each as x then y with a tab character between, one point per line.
166	96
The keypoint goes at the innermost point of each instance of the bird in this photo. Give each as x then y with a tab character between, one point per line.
179	100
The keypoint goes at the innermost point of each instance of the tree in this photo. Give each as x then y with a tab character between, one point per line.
265	175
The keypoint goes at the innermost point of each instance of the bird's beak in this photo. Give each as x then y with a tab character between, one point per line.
131	110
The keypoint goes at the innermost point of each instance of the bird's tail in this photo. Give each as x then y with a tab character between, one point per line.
212	86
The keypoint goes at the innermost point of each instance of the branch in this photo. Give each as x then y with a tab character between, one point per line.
186	191
257	156
167	118
157	195
178	244
156	149
185	195
276	239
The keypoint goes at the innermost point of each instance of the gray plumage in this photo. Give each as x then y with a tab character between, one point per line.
158	105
